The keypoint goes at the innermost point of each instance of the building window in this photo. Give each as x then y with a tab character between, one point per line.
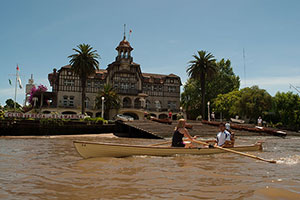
68	101
160	88
171	88
124	86
89	84
71	101
97	84
65	101
69	82
132	85
171	104
157	104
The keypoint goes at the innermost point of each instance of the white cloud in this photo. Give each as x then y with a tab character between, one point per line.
273	81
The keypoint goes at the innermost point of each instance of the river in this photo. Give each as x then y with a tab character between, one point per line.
50	168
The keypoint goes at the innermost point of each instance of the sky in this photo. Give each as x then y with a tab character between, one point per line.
39	35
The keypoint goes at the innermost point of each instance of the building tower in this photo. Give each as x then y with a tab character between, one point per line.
29	86
124	51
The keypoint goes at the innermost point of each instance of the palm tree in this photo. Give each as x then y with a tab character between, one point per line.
111	99
202	69
84	64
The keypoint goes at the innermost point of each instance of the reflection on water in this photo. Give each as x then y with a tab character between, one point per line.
50	168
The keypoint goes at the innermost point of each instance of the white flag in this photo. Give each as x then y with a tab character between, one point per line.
18	77
20	83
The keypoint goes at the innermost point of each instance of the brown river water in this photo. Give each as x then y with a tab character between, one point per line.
50	168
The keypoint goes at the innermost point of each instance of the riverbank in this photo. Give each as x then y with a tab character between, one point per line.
138	128
20	127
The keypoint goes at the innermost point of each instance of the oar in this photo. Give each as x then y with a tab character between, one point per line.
237	152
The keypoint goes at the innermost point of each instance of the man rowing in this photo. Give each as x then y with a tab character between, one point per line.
224	137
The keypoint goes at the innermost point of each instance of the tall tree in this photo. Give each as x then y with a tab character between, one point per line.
224	80
191	98
202	68
253	102
225	104
84	63
287	109
111	98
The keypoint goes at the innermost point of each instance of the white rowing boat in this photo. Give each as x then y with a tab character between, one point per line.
239	121
96	149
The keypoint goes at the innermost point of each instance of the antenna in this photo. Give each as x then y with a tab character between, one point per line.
124	31
244	67
291	86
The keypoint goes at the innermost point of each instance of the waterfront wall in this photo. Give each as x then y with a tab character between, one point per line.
41	127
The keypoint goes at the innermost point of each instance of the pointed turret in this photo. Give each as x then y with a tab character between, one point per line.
124	51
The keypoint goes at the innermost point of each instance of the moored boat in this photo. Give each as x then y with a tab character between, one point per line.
96	149
163	121
257	129
239	121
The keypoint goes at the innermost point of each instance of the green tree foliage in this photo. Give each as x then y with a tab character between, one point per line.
253	102
286	107
111	99
84	63
191	98
10	104
202	69
225	104
224	80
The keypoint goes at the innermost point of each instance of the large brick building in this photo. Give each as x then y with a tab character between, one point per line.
139	92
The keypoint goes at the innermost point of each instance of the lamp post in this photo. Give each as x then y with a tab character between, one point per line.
208	114
102	110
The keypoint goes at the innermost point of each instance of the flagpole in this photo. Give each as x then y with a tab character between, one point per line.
16	89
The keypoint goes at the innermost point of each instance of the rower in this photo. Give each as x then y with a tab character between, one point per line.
179	132
232	139
224	138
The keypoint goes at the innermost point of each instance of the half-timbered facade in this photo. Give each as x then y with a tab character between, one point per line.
139	92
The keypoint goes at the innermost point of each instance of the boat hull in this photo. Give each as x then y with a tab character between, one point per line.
95	149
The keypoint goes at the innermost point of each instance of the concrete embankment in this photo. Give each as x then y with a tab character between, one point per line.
39	128
136	129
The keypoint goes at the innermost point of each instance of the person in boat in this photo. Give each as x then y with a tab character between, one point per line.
223	137
180	132
232	139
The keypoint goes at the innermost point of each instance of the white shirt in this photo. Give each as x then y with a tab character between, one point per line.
222	137
259	120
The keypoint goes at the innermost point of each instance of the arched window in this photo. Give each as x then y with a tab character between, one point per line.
137	103
157	104
127	102
148	104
